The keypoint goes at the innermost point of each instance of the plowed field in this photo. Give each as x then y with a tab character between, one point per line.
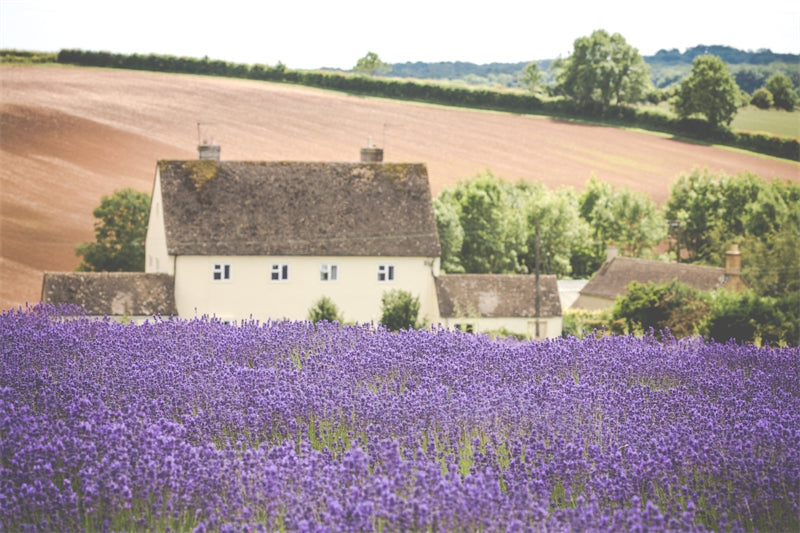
71	135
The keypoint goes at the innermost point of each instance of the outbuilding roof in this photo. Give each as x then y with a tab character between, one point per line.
112	293
615	275
297	208
496	295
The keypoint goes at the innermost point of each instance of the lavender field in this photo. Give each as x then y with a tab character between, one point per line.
199	426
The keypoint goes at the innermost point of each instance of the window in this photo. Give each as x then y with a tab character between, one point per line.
467	328
328	272
280	272
385	272
222	272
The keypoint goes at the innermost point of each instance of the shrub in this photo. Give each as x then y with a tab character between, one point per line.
672	305
399	310
762	99
324	310
749	318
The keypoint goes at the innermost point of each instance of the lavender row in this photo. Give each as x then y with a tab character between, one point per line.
201	425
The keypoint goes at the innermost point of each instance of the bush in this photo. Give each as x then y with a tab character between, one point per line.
749	318
324	310
762	99
672	305
399	310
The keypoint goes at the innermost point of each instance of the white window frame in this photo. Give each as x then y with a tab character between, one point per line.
221	272
279	272
386	273
329	272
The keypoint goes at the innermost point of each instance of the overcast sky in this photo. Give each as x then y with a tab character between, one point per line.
335	33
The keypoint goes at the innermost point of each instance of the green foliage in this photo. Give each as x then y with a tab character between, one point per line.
493	234
563	234
672	305
581	322
602	69
748	317
324	310
706	212
783	92
23	57
487	225
371	64
762	98
120	233
627	218
531	77
709	90
400	310
451	233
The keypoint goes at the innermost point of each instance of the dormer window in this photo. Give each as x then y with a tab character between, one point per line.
279	272
385	272
222	272
328	272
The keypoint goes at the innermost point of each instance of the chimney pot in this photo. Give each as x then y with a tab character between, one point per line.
371	155
611	252
733	261
208	151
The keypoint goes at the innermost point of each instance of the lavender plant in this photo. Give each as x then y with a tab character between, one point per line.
199	425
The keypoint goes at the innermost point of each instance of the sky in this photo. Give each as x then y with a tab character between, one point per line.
336	33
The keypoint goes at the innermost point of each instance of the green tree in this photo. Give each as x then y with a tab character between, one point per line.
494	229
672	305
120	233
762	98
708	212
371	64
748	317
562	232
324	310
627	218
709	90
451	234
783	92
400	310
531	77
602	69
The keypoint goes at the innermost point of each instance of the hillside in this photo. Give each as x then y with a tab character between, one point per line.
70	135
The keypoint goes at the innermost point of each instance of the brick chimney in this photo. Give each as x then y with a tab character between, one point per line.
371	153
611	252
733	261
733	270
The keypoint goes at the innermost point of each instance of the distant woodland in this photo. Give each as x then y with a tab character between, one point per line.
750	69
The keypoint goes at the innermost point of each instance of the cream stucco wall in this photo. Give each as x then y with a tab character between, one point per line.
549	327
156	258
251	292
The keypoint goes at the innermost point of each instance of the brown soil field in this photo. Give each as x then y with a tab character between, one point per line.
70	135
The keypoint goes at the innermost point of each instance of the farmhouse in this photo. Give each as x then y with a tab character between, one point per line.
618	272
267	240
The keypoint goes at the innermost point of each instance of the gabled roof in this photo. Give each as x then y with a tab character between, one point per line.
496	295
297	208
615	274
112	293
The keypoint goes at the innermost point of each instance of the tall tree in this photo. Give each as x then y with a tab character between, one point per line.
783	92
120	233
531	77
602	69
371	64
709	90
624	217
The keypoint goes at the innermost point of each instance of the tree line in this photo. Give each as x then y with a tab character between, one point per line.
613	104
